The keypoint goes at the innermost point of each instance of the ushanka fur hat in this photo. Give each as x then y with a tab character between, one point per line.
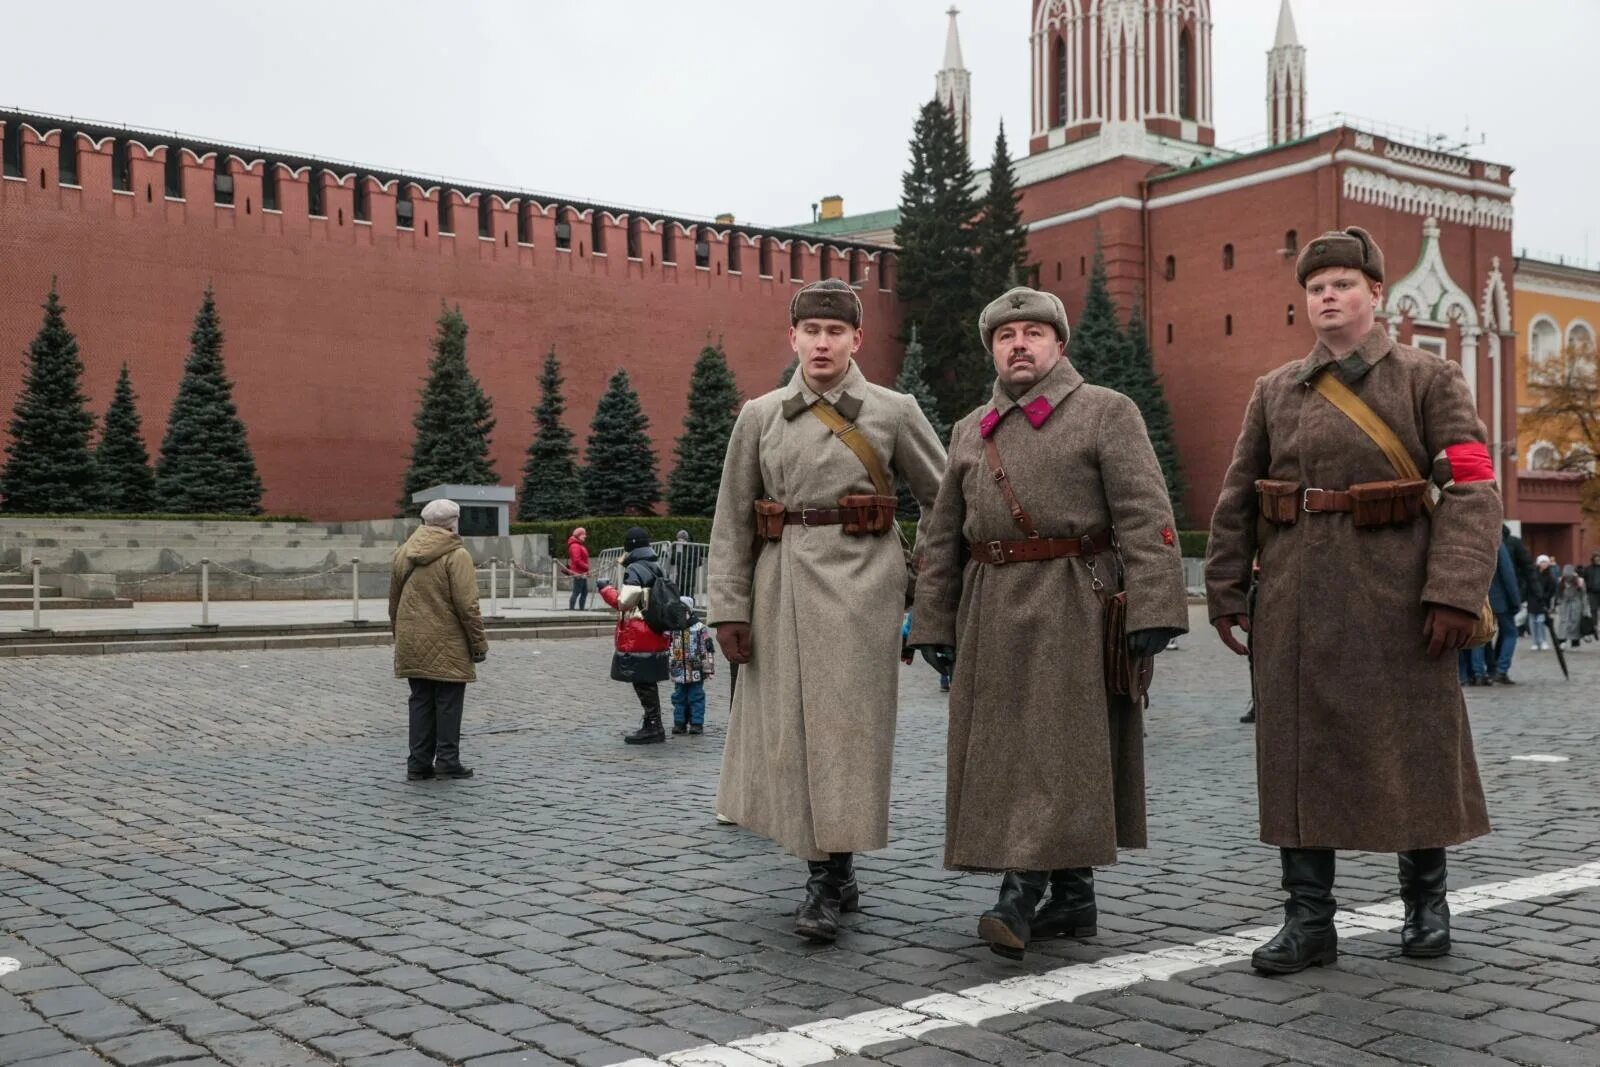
1351	247
1023	305
827	299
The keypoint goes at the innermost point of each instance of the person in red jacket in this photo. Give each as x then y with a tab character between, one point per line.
641	653
578	567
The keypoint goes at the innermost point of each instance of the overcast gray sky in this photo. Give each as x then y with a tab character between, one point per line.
759	107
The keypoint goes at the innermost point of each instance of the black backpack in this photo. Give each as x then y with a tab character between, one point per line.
665	610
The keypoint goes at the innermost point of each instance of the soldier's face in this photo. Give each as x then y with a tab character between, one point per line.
1342	301
824	347
1024	352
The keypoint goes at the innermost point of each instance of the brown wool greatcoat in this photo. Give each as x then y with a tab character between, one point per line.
434	612
1043	771
1362	741
810	743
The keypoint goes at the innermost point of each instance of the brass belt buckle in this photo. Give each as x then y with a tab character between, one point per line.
997	552
805	515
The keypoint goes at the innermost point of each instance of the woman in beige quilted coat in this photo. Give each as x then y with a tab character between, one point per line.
438	637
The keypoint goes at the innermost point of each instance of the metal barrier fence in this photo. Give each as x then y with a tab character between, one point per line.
683	561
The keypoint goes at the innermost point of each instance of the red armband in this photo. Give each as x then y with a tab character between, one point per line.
1469	462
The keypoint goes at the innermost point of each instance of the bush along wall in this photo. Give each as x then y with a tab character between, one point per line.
606	531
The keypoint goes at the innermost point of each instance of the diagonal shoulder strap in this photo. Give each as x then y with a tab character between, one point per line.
1019	514
1357	411
846	431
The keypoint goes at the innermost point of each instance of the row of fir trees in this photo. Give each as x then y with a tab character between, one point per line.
619	475
958	252
54	465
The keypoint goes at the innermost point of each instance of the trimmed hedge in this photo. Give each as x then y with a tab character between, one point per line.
150	516
1193	543
606	531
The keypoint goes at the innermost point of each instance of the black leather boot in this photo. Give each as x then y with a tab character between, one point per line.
649	731
1008	926
1307	938
1426	932
818	917
1070	911
844	875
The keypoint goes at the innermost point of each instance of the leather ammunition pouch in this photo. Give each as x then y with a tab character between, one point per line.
1278	502
770	516
1396	502
1127	675
866	514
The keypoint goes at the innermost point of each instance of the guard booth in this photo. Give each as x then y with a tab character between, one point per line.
485	509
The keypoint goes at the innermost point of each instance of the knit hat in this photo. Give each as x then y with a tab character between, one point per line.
444	513
1023	305
636	537
1350	247
827	299
688	602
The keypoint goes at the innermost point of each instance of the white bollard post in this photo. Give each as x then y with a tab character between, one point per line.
555	586
205	594
494	587
36	626
355	590
511	584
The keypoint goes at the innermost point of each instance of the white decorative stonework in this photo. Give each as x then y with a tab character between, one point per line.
1491	171
1369	187
1364	141
1401	153
1428	293
1496	309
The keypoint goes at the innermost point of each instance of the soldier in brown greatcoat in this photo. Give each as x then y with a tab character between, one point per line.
1362	739
807	584
1045	768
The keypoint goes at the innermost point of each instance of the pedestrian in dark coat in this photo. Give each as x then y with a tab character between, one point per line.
1591	582
1045	775
1487	664
1362	737
641	652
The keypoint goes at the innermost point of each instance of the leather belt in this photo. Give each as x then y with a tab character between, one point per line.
820	517
998	553
1316	501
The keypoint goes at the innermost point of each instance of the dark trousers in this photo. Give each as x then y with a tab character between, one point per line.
649	698
435	722
580	594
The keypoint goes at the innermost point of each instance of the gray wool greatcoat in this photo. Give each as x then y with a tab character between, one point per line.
810	744
1362	740
1043	770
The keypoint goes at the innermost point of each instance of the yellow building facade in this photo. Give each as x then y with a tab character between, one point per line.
1557	315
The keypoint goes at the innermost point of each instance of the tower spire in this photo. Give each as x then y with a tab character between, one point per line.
953	84
1286	81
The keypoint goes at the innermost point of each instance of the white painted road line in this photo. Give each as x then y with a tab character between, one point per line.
829	1039
1542	757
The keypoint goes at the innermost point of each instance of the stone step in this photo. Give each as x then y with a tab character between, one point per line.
63	603
24	591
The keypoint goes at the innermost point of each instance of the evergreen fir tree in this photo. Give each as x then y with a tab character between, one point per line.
936	267
621	477
206	464
453	421
1144	386
707	426
1099	347
126	482
552	484
788	372
49	466
912	379
1002	237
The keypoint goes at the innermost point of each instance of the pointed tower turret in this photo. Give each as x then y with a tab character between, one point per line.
1286	82
954	82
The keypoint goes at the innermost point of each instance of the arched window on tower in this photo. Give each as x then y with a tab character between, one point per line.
1186	74
1058	78
1172	268
1227	257
1291	242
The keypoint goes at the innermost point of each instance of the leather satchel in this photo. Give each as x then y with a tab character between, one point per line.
1359	412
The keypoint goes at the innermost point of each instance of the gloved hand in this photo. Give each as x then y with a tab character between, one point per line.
734	640
604	583
941	658
1225	625
1447	629
1142	643
479	657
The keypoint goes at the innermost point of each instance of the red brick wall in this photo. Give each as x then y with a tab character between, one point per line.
327	320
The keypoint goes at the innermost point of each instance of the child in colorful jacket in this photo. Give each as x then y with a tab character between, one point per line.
692	658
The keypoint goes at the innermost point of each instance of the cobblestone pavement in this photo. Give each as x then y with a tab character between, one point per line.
214	858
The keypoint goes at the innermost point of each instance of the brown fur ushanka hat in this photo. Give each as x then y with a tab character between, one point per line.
830	298
1351	247
1023	305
